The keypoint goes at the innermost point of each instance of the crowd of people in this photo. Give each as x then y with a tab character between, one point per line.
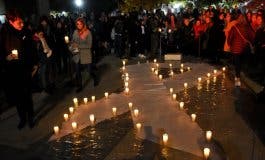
37	55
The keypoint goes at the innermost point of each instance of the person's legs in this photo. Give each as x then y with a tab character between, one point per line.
237	63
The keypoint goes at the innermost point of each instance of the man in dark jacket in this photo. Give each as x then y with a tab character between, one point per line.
18	65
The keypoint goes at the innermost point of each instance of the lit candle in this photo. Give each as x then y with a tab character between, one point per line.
66	39
182	65
126	84
66	117
92	118
75	100
138	126
214	79
165	138
206	152
130	104
208	75
181	70
127	90
159	30
209	135
185	85
170	65
93	98
126	74
15	53
181	105
56	129
114	111
136	112
215	71
155	60
171	73
188	68
156	72
71	110
208	81
224	69
127	78
85	100
123	68
174	96
193	117
123	62
74	125
153	69
199	79
160	77
171	90
106	95
157	65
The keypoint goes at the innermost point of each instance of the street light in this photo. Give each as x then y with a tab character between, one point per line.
78	3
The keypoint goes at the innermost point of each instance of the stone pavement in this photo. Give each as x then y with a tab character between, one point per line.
216	106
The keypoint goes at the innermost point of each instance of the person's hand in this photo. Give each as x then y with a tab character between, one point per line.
34	70
11	57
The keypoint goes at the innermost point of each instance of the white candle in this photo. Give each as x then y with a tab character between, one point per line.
181	70
66	39
193	117
215	71
127	90
185	85
188	68
147	61
156	72
157	65
66	117
136	112
71	110
85	100
126	74
92	118
208	81
123	68
181	105
170	65
114	111
15	52
174	96
56	129
171	90
123	62
130	104
138	62
209	135
126	84
93	98
199	79
159	30
155	60
160	77
171	73
153	69
182	65
208	75
74	125
165	138
127	78
223	69
138	126
214	79
75	100
206	152
106	95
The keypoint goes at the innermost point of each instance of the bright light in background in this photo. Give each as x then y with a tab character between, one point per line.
78	3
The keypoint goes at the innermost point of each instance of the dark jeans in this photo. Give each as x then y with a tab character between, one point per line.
237	63
79	68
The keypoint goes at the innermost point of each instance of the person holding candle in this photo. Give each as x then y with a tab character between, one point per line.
18	68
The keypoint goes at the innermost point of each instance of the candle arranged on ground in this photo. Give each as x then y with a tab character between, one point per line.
127	90
157	65
126	74
93	98
223	69
215	71
209	135
171	90
71	110
188	68
171	73
155	60
193	117
208	75
156	72
181	105
127	78
75	100
106	95
153	69
123	62
85	100
126	84
123	68
130	104
92	118
182	65
165	138
185	85
206	153
15	53
214	79
114	111
138	126
170	65
56	129
174	96
66	39
136	112
74	125
66	117
160	77
199	79
181	70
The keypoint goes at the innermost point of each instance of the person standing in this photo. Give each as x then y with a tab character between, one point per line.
19	63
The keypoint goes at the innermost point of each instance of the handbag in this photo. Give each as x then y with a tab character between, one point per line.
251	47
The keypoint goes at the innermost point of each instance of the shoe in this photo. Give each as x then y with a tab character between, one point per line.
21	125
